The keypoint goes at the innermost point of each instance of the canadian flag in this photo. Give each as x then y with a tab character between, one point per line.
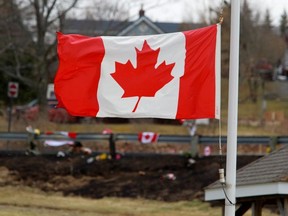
148	137
56	143
71	135
172	76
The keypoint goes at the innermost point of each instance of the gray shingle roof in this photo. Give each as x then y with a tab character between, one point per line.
113	27
271	168
93	27
268	169
132	29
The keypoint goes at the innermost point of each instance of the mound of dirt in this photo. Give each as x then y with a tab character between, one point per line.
161	177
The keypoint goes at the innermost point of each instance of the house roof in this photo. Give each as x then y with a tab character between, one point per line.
115	27
264	176
93	27
151	28
270	168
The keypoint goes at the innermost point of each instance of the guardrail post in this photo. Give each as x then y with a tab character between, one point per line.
10	114
112	146
273	142
194	145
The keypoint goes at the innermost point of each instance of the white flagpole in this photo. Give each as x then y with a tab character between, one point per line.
231	157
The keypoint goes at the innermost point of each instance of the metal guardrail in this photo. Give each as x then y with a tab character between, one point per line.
282	140
13	136
177	139
240	139
162	138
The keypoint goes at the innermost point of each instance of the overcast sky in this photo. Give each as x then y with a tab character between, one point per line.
179	10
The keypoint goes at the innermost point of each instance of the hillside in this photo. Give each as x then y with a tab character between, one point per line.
163	177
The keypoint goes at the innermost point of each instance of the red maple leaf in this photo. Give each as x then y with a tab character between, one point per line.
144	80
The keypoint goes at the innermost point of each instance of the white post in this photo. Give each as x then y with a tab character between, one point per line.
231	157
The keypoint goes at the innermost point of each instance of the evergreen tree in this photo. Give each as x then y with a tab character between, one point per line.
267	21
283	23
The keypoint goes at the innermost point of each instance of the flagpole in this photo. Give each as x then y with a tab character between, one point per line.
231	158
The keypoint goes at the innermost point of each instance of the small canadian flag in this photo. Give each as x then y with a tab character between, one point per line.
71	135
55	143
148	137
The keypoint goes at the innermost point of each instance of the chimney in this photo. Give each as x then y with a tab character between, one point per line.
141	11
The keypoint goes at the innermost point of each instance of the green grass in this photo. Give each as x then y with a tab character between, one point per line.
24	201
20	201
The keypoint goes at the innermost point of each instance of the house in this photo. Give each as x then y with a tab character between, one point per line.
264	182
142	26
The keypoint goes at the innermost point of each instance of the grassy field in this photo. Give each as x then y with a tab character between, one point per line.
23	201
15	202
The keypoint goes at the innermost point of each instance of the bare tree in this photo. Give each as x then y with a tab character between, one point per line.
14	40
33	48
28	49
97	17
100	10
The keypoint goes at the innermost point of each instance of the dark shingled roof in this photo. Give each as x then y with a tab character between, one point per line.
113	27
93	27
271	168
268	169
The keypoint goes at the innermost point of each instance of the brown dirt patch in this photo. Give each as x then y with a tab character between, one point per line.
131	176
